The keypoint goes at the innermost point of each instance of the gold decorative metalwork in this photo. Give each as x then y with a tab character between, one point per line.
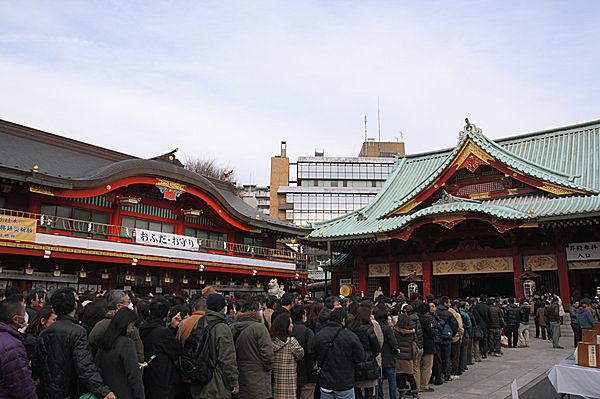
594	264
40	190
473	266
540	262
379	270
170	184
407	268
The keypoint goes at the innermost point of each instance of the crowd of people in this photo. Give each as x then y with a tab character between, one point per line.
113	345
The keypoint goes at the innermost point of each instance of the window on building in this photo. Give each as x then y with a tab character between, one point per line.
256	242
130	223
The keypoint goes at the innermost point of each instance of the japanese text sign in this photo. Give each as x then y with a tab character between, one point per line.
165	239
584	251
17	229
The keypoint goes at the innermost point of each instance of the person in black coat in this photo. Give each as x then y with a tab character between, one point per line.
512	317
62	358
305	381
389	350
481	312
160	375
337	350
431	334
448	319
367	372
117	359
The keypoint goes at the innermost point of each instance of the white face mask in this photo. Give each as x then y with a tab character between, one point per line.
130	306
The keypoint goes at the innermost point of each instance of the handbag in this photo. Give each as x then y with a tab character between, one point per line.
88	396
447	332
367	371
477	333
414	349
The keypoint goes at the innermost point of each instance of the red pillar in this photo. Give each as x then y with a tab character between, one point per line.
394	278
427	277
335	279
363	279
115	219
518	271
563	275
179	226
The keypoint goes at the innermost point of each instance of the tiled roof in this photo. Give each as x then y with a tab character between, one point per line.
67	163
568	157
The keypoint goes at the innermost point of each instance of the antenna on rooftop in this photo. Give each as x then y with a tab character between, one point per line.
378	120
365	127
401	136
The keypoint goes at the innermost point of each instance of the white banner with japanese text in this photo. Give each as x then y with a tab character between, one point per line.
583	251
168	240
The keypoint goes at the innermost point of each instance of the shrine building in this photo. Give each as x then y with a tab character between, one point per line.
502	217
74	214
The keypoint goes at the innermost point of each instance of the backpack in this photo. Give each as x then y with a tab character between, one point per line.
447	332
195	361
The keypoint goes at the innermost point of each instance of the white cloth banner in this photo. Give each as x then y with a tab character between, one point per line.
165	239
568	377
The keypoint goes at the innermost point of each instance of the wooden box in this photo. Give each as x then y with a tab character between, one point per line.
591	336
588	355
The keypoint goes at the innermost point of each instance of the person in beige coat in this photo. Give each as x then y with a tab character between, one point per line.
456	339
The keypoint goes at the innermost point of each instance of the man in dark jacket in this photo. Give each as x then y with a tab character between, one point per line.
15	376
117	299
481	313
495	326
446	346
62	358
254	351
305	380
337	351
160	375
224	381
512	318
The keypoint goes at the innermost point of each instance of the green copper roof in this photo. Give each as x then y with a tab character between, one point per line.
568	156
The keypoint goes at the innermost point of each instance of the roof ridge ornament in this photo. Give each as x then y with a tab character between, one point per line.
447	198
470	129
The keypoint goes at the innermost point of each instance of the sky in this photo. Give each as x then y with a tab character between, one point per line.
229	80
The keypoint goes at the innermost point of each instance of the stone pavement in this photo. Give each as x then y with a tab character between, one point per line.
491	378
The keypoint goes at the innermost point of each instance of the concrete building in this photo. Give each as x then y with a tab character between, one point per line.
318	188
257	197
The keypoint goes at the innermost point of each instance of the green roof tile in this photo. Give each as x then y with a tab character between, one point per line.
567	156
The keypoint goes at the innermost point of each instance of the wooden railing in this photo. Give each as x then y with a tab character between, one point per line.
97	230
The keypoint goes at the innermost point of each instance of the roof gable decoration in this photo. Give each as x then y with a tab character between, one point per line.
474	150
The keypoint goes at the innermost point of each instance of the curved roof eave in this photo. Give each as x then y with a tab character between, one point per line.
232	204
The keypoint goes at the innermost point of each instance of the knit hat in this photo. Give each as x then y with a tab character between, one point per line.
215	302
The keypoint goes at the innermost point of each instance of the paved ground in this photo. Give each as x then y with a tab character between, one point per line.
491	378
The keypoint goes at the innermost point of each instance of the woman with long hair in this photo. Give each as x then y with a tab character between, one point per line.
42	319
287	352
367	372
117	357
389	351
312	316
407	343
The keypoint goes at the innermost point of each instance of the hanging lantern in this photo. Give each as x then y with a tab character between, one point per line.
148	278
82	273
105	275
56	272
184	280
28	270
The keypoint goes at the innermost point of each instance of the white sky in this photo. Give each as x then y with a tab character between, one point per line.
229	80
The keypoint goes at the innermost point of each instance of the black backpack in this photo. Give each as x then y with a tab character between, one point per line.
195	362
